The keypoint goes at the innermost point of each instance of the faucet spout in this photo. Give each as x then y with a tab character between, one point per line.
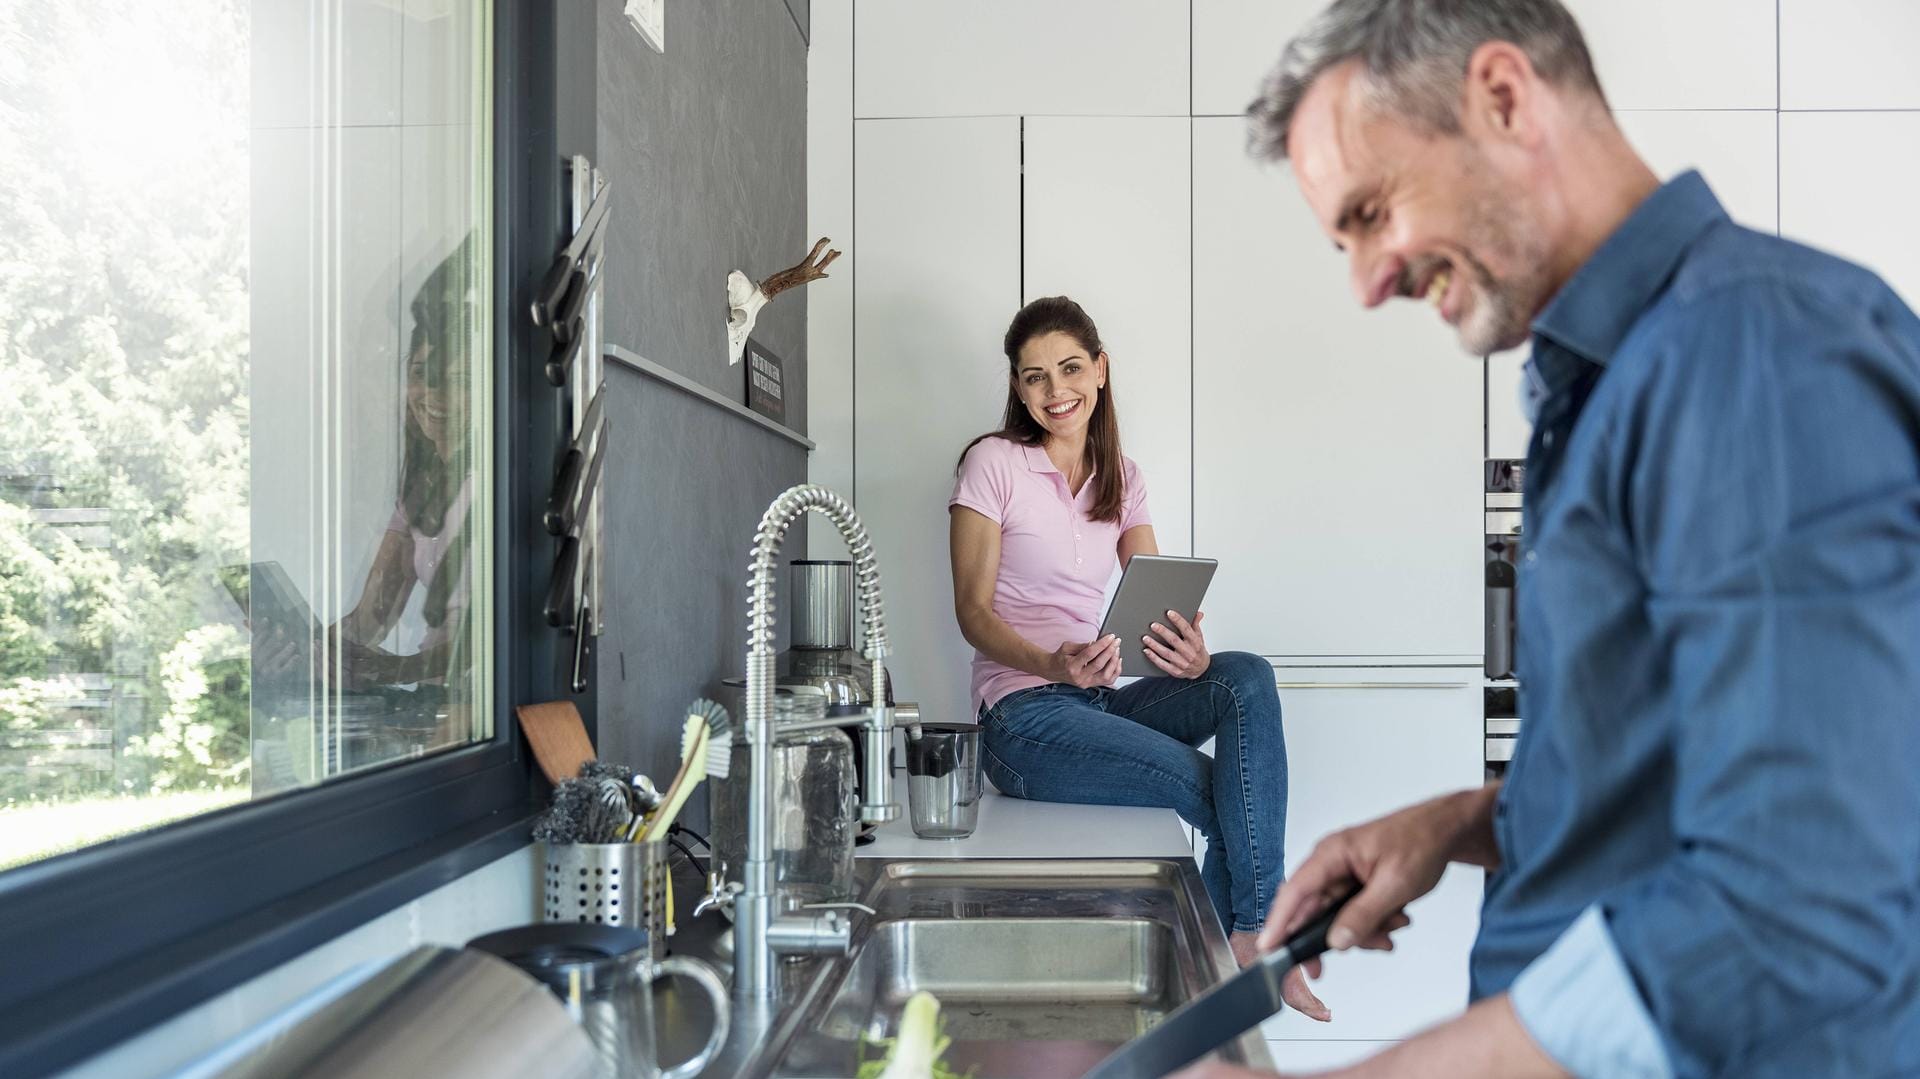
760	933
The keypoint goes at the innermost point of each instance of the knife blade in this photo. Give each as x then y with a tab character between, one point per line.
1222	1013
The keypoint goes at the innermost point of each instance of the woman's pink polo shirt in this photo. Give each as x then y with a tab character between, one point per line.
1055	562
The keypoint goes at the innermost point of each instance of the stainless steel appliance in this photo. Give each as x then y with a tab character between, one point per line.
1505	487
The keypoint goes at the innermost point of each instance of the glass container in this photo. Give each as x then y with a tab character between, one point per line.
815	804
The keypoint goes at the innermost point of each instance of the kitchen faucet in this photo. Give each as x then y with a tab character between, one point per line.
761	935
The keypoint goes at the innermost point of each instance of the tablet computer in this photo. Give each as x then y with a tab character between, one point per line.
1153	585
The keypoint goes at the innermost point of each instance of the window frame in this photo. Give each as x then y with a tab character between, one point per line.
104	942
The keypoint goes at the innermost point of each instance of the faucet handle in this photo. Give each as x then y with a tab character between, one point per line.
720	891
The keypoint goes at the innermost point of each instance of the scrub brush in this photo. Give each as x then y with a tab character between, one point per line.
693	768
719	735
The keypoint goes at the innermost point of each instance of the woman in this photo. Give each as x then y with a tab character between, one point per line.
1042	513
425	548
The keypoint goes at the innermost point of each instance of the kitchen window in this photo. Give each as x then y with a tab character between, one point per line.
244	486
259	636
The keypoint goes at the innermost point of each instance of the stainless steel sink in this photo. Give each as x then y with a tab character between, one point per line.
1042	967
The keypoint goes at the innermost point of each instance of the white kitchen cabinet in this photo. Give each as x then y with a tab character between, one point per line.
1107	224
1296	1056
1650	54
1849	54
1846	186
1363	742
830	389
1236	43
1014	57
1702	54
1337	451
937	213
1735	151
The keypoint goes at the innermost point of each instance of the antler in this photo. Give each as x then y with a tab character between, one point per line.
807	270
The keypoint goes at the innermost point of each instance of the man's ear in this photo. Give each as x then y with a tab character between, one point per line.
1502	95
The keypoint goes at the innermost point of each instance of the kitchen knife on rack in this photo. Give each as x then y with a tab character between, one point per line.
1222	1013
554	287
563	601
573	465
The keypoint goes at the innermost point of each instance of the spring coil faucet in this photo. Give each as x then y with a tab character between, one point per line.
760	934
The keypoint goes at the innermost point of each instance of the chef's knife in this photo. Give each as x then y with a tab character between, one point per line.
1222	1013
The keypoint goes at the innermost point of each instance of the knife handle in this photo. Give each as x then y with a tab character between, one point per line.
1310	941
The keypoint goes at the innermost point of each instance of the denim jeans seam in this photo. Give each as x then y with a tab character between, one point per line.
1246	801
1018	779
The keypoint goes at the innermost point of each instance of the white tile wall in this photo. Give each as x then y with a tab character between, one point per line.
1235	44
1847	183
931	374
1849	54
1016	57
1133	280
1695	54
830	135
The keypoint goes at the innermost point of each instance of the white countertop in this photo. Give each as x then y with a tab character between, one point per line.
1017	828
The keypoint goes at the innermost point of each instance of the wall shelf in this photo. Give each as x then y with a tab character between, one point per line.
680	382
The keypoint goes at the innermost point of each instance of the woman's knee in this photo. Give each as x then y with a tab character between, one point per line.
1249	676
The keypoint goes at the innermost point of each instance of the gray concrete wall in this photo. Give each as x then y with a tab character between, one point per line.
705	146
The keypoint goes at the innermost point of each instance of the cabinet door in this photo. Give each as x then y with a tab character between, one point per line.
1014	57
1236	44
1849	54
1704	54
1362	743
1846	187
1336	450
1107	224
937	213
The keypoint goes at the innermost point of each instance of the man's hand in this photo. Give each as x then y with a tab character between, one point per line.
1395	860
1096	663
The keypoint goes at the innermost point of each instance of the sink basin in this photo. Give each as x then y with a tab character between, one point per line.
1042	968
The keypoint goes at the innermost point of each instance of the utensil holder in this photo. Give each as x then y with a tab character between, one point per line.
609	884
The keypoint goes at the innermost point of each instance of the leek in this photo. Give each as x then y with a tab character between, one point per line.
916	1052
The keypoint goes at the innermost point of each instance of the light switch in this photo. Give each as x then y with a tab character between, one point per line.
650	18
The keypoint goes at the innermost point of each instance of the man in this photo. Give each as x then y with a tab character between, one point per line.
1705	860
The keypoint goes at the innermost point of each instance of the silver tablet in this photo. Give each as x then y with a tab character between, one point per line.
1153	585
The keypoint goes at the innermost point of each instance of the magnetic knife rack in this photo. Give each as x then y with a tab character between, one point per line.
568	305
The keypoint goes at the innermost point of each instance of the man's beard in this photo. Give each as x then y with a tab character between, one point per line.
1503	307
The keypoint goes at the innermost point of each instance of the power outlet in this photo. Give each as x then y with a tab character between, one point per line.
650	18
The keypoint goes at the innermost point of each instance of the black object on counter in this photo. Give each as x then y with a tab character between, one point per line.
935	756
548	949
1222	1013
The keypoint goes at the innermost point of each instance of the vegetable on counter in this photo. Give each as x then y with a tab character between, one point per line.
916	1052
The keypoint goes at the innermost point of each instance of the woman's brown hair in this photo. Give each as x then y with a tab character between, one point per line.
1058	314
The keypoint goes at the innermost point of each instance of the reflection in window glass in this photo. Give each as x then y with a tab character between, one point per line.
245	467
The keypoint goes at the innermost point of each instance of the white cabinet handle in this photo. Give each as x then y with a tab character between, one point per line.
1372	685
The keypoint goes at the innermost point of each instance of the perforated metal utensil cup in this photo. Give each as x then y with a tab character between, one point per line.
609	884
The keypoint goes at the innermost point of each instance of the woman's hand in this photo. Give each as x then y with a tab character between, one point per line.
1086	666
1179	649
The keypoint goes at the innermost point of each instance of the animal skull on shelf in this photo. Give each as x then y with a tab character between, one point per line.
745	299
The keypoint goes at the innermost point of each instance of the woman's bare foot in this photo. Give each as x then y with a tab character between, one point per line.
1293	989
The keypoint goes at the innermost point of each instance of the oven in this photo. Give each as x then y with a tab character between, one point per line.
1505	479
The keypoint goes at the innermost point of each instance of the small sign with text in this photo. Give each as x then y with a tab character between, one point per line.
766	387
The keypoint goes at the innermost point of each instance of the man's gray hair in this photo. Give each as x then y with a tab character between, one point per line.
1414	54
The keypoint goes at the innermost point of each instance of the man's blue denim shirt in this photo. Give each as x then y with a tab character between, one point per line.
1714	805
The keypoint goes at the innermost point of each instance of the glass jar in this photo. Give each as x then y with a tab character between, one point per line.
815	806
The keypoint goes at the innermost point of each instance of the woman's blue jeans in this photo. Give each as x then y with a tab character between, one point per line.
1139	746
